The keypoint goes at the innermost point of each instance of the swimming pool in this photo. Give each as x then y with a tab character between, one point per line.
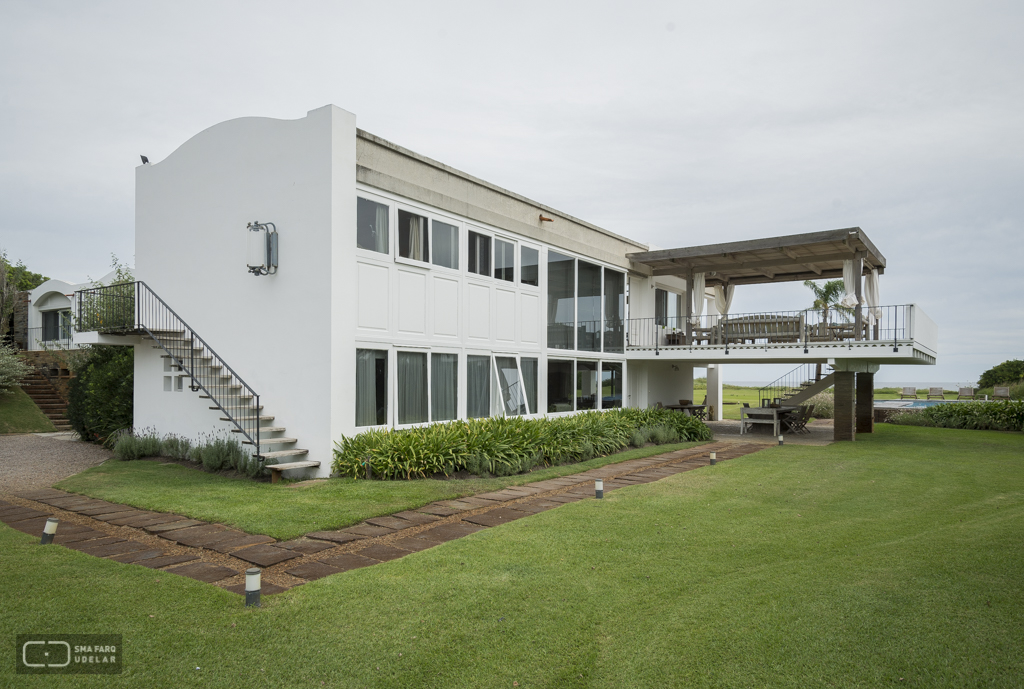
912	404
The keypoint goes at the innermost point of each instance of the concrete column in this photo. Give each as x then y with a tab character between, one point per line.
844	401
715	391
865	402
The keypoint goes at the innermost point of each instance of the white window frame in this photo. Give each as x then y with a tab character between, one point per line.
392	224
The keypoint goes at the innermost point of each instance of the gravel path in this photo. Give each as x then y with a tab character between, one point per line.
31	461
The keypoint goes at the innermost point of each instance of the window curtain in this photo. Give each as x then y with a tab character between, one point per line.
850	279
698	297
412	387
366	386
723	298
871	297
478	386
380	235
416	238
444	382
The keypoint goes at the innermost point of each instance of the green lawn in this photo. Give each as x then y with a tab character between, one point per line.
19	414
893	561
289	510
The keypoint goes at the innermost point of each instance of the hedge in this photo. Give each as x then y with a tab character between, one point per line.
989	416
101	395
507	445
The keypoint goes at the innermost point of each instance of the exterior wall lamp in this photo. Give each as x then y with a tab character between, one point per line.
261	251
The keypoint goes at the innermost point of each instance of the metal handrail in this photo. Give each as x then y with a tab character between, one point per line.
121	312
792	381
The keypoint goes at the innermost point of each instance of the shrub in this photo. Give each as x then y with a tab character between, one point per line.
177	447
907	417
994	416
824	405
100	396
219	454
12	369
1011	371
503	446
129	445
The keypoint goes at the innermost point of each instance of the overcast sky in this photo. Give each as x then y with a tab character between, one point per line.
676	124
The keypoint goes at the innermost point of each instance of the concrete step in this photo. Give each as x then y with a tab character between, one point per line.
284	453
263	429
262	418
273	441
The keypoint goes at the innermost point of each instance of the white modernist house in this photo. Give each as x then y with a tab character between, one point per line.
303	280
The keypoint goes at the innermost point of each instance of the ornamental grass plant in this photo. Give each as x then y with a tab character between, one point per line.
503	446
982	416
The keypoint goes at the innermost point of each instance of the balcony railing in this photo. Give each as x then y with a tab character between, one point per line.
812	326
47	338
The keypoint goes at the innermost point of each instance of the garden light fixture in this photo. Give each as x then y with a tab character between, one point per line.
49	530
252	587
599	488
714	457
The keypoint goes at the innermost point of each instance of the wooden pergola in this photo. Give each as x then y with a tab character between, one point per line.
798	257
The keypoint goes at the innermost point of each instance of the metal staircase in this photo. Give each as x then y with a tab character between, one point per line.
134	309
798	385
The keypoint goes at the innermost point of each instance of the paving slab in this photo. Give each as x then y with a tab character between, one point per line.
63	502
33	527
438	510
103	509
115	549
475	501
158	518
211	539
413	544
449	532
335	536
566	497
134	522
416	517
172	526
312	571
369	530
80	507
348	561
106	540
204	571
306	546
531	508
110	516
265	589
495	517
550	484
523	490
498	496
12	516
189	535
242	542
393	523
265	555
137	556
66	538
384	553
460	506
166	561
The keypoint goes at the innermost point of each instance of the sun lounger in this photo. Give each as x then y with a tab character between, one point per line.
966	394
936	394
1001	393
909	393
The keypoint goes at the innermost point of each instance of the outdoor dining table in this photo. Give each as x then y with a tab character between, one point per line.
699	411
772	415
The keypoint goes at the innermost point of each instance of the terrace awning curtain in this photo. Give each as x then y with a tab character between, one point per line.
723	298
850	279
871	297
698	297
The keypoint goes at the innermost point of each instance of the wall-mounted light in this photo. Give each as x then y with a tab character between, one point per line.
262	248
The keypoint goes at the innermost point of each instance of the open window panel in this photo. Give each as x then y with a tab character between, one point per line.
372	225
413	238
371	387
513	397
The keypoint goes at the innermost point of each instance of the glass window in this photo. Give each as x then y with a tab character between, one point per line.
444	387
412	387
614	310
529	366
560	397
479	253
586	385
528	270
446	244
561	301
512	398
504	260
611	385
413	241
371	225
660	307
588	309
478	386
371	387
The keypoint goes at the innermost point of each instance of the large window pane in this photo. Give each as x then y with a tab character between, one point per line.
444	387
561	301
371	387
614	310
412	387
479	253
660	307
588	309
504	260
412	237
611	385
371	225
528	269
446	244
529	366
512	397
586	385
560	387
478	386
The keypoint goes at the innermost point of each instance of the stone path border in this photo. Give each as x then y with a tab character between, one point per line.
219	555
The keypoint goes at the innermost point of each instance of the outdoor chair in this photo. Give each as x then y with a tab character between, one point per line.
936	393
909	393
966	394
1001	393
797	422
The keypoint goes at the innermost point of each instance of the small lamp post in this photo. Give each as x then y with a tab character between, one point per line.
714	458
599	487
252	587
49	531
780	438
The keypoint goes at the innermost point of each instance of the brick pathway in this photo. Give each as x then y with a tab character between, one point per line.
219	555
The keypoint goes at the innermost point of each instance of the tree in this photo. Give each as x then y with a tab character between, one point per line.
14	279
829	296
1005	373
